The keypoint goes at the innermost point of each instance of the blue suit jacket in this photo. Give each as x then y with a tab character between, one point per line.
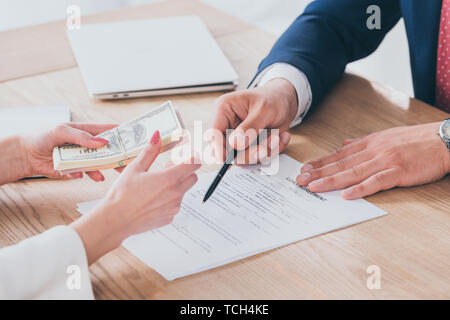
331	33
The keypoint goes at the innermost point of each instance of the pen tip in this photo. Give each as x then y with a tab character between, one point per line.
203	202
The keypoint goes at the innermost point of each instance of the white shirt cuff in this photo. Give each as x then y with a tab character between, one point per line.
297	78
51	265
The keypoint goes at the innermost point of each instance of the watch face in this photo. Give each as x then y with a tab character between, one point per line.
446	129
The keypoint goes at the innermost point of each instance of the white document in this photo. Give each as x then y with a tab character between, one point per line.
29	119
250	212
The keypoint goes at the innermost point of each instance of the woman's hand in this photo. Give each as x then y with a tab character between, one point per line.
138	201
38	149
403	156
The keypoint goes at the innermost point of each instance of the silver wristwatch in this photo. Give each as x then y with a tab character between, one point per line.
444	132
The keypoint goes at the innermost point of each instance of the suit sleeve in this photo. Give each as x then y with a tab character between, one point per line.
51	265
329	35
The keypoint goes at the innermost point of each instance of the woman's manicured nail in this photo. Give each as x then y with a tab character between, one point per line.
101	140
315	183
307	167
304	177
285	137
155	138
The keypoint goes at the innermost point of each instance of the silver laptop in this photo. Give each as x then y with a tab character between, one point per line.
150	57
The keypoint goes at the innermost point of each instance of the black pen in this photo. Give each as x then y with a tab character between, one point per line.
228	162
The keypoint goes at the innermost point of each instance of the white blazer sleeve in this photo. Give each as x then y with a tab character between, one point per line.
52	265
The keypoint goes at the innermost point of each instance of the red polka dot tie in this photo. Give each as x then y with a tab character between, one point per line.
443	60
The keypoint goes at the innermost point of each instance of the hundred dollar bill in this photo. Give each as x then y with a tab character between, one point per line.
125	142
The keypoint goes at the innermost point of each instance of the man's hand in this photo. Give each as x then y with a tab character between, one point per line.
403	156
38	149
272	106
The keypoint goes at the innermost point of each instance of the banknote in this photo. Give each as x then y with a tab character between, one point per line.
125	142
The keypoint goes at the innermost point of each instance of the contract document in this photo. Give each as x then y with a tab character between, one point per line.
250	212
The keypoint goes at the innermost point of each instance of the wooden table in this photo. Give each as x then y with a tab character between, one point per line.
411	245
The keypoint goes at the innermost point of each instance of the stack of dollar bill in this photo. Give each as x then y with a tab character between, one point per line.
125	142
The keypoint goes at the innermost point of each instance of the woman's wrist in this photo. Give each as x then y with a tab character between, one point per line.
13	159
101	231
25	167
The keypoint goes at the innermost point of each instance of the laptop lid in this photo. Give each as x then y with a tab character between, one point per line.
149	54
